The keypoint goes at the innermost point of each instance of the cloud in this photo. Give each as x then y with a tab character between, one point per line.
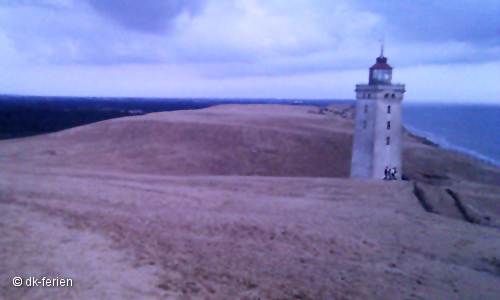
247	38
47	4
150	16
273	38
246	32
247	48
469	21
69	32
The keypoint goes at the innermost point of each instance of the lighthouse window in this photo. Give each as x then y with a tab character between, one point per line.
366	109
388	125
386	96
364	124
364	96
393	96
389	109
388	141
369	96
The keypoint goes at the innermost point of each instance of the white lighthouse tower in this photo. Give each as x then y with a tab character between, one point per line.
378	127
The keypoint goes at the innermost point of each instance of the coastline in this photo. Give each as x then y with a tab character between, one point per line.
443	143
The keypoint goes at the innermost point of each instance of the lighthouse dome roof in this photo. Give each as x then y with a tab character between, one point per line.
381	63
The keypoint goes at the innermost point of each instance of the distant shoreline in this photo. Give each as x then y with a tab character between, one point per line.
440	142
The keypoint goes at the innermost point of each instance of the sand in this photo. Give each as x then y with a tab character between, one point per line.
241	202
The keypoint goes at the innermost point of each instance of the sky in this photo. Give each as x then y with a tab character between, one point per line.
444	51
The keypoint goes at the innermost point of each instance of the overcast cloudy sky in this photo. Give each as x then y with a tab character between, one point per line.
446	51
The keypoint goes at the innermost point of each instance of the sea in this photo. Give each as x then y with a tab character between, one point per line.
470	129
473	130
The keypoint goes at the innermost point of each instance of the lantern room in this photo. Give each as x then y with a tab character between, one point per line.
381	72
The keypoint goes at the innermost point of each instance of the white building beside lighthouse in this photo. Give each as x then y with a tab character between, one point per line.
378	126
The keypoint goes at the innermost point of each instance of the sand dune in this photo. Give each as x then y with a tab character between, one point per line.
269	140
168	206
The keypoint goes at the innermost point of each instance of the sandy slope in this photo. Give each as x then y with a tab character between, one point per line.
274	140
135	208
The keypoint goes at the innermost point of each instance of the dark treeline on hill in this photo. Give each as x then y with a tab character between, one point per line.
22	116
21	122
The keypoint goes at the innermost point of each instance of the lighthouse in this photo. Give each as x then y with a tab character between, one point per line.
378	128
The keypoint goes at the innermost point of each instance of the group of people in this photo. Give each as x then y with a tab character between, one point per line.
390	174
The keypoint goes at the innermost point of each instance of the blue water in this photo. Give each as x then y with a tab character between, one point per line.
470	129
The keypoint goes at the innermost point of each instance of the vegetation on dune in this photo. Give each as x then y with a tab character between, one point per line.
23	122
